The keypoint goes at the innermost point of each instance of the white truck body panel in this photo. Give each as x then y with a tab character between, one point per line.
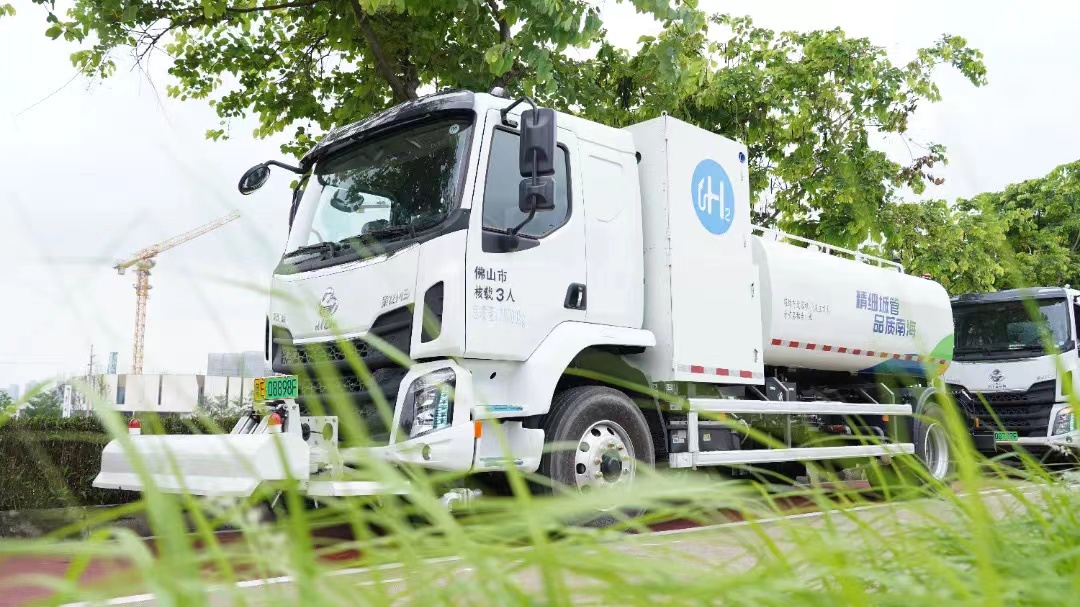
214	464
699	275
304	301
515	298
612	206
1015	375
822	311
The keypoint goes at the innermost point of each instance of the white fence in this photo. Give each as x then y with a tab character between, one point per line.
172	393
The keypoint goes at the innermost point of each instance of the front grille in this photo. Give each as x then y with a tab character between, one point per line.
328	371
1026	413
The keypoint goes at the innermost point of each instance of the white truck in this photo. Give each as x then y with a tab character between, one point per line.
531	274
1015	368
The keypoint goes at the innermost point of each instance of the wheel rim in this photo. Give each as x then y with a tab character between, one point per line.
936	451
604	457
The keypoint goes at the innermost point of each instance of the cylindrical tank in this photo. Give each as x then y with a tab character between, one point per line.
822	311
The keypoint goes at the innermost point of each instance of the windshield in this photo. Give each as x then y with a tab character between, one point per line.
383	190
1009	329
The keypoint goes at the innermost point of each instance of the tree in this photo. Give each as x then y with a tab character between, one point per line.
5	402
219	406
1026	235
322	63
805	104
1042	219
45	403
959	245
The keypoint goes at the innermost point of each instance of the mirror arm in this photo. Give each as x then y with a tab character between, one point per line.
287	167
515	230
503	112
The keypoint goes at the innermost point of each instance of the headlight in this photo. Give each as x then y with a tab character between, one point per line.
1064	422
429	403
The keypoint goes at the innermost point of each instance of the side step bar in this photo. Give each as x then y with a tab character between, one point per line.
693	457
772	456
718	405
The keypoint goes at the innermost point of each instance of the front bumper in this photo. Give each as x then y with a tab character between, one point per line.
474	441
1065	444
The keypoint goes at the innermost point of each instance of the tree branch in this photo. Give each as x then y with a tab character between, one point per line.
273	7
401	92
518	70
504	28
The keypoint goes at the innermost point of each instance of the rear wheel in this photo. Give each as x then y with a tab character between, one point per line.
609	442
906	476
932	443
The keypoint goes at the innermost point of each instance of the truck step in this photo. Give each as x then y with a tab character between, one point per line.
772	456
719	405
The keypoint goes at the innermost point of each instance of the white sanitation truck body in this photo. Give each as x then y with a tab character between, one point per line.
1017	368
619	301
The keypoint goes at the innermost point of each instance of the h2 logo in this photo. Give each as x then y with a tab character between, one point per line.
713	197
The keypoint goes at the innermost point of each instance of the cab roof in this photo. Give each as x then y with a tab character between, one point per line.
1015	295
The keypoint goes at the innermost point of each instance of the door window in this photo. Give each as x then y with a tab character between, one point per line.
501	190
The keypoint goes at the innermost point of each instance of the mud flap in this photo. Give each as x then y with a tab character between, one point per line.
231	465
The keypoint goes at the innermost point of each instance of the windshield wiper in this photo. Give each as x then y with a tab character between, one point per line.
389	231
319	247
1027	348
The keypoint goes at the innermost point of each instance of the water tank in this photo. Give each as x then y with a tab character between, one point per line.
823	311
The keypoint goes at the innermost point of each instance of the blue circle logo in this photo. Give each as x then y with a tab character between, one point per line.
713	196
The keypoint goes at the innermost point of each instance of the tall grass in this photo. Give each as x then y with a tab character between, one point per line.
1017	545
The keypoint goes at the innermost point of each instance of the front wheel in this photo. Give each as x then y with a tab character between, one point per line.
609	442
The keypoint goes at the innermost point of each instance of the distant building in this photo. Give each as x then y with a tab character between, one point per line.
173	393
236	364
12	391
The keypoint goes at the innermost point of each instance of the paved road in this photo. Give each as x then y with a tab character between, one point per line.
732	545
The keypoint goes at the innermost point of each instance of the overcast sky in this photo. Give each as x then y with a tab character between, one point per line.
94	171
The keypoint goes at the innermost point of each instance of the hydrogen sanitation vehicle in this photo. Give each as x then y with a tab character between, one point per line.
511	279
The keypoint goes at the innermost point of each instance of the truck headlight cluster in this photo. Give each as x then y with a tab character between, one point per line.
429	403
1064	422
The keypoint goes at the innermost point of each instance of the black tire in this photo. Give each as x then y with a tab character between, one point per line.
931	422
911	476
575	412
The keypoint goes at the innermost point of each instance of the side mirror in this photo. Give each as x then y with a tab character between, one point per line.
536	160
536	194
254	178
537	152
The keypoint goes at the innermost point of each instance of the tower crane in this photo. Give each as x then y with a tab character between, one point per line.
143	261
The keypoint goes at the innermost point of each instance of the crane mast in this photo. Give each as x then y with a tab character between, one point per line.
143	261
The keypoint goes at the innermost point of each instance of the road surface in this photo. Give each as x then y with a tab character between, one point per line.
733	546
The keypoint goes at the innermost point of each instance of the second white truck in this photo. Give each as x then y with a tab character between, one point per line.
485	268
1016	367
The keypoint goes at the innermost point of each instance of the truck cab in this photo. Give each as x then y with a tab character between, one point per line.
1014	368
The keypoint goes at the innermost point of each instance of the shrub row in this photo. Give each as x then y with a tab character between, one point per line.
51	462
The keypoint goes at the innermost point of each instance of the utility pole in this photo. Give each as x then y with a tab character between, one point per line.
81	399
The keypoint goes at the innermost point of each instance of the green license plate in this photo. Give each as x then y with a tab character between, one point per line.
275	388
999	436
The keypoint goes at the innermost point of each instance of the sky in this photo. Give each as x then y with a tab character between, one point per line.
93	171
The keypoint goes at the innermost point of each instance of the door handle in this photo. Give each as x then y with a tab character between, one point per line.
575	297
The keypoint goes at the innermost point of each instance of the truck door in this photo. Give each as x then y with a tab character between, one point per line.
516	296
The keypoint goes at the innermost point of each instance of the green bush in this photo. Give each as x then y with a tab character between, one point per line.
51	462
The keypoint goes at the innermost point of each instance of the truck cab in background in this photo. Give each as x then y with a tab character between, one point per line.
1014	369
